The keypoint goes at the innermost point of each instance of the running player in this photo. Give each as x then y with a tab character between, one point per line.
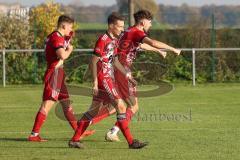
57	49
104	89
127	50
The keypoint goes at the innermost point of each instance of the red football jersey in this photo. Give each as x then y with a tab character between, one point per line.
54	41
128	44
105	48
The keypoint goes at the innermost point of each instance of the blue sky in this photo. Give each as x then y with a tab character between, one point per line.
110	2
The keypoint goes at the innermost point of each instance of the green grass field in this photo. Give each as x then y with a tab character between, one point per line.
201	123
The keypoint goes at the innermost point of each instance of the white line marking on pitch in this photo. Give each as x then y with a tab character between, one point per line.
150	130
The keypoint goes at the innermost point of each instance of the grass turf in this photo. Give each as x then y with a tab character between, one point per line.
189	123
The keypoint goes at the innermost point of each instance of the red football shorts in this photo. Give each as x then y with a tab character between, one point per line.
55	88
107	91
125	88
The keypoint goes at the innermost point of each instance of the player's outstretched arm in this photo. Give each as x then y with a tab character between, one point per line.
147	47
160	45
64	54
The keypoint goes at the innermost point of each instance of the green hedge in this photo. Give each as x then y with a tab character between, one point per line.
225	67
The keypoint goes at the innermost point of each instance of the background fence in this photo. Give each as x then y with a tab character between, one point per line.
77	65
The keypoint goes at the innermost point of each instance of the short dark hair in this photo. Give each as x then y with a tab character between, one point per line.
142	14
114	17
64	18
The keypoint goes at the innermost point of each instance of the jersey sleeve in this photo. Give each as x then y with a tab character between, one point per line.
99	48
57	42
139	36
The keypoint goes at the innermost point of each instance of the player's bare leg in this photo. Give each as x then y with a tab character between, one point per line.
39	120
112	134
123	122
105	111
121	118
83	123
41	116
69	115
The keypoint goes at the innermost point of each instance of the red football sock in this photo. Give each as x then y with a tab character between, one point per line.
69	115
39	120
83	123
117	124
82	126
103	113
123	125
129	115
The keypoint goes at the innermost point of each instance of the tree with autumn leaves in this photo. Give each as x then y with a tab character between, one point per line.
23	34
43	20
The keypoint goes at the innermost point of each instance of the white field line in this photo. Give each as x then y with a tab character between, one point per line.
170	103
4	107
140	130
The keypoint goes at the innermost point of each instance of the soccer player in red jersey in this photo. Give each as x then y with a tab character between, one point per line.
57	49
104	89
129	42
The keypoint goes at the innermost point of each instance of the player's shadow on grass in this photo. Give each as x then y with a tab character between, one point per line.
49	140
26	140
14	139
56	147
38	147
